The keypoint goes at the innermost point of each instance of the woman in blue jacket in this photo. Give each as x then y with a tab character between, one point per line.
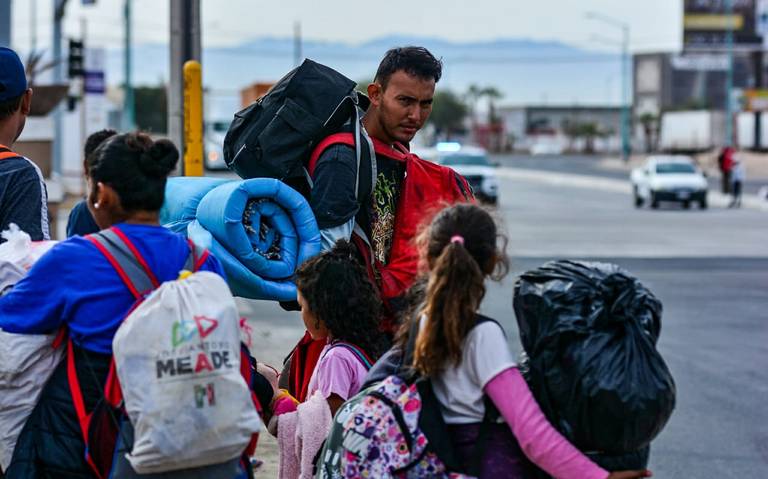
75	286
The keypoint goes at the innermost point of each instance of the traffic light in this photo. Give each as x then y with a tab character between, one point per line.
76	61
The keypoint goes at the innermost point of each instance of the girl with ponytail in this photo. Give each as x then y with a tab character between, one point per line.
467	360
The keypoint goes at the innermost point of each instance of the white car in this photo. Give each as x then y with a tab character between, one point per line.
472	163
214	145
546	147
669	178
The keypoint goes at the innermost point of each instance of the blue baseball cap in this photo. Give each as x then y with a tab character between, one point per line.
13	79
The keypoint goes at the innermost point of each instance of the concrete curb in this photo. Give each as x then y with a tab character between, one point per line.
716	198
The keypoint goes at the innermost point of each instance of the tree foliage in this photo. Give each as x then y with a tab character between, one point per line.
151	108
476	93
448	113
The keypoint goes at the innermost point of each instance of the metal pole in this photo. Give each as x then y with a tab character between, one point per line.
129	107
729	77
626	147
757	64
33	25
297	54
58	78
185	45
5	23
83	34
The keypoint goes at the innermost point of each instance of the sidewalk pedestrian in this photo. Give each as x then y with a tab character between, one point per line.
339	306
725	165
738	175
23	197
81	220
466	357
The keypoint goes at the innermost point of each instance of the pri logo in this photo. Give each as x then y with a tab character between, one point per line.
205	395
186	330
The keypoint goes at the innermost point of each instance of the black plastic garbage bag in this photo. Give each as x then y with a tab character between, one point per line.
590	333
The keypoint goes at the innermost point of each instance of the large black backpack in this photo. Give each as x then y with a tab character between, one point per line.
275	136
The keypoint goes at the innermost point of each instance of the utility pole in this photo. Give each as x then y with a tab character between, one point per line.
757	65
129	107
626	125
33	25
729	77
185	45
83	112
5	23
297	54
58	78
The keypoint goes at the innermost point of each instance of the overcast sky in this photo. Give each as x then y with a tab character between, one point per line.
655	24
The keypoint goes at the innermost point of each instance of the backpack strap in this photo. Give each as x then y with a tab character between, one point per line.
126	259
196	258
361	356
347	139
399	152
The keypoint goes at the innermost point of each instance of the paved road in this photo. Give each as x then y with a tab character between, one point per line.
710	269
592	165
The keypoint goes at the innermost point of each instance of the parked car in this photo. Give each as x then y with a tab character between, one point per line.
669	178
472	163
546	147
214	134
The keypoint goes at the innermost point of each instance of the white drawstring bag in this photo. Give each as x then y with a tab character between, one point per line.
26	363
18	254
26	360
177	357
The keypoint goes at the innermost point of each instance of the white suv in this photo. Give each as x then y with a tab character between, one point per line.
669	178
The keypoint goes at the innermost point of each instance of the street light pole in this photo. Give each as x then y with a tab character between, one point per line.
58	78
129	107
185	45
626	124
626	147
5	23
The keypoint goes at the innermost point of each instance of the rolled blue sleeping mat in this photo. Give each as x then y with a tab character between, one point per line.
260	229
242	281
182	195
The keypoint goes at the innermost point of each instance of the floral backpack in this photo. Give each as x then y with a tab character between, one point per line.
394	428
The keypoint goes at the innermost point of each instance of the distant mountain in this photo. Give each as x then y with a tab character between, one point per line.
525	71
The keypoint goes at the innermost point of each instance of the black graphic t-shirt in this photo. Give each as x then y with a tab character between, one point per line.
333	196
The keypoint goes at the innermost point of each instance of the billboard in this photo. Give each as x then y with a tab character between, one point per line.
706	23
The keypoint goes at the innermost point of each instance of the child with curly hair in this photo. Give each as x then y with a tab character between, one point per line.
340	305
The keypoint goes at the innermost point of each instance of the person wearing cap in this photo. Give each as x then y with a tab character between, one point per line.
23	197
